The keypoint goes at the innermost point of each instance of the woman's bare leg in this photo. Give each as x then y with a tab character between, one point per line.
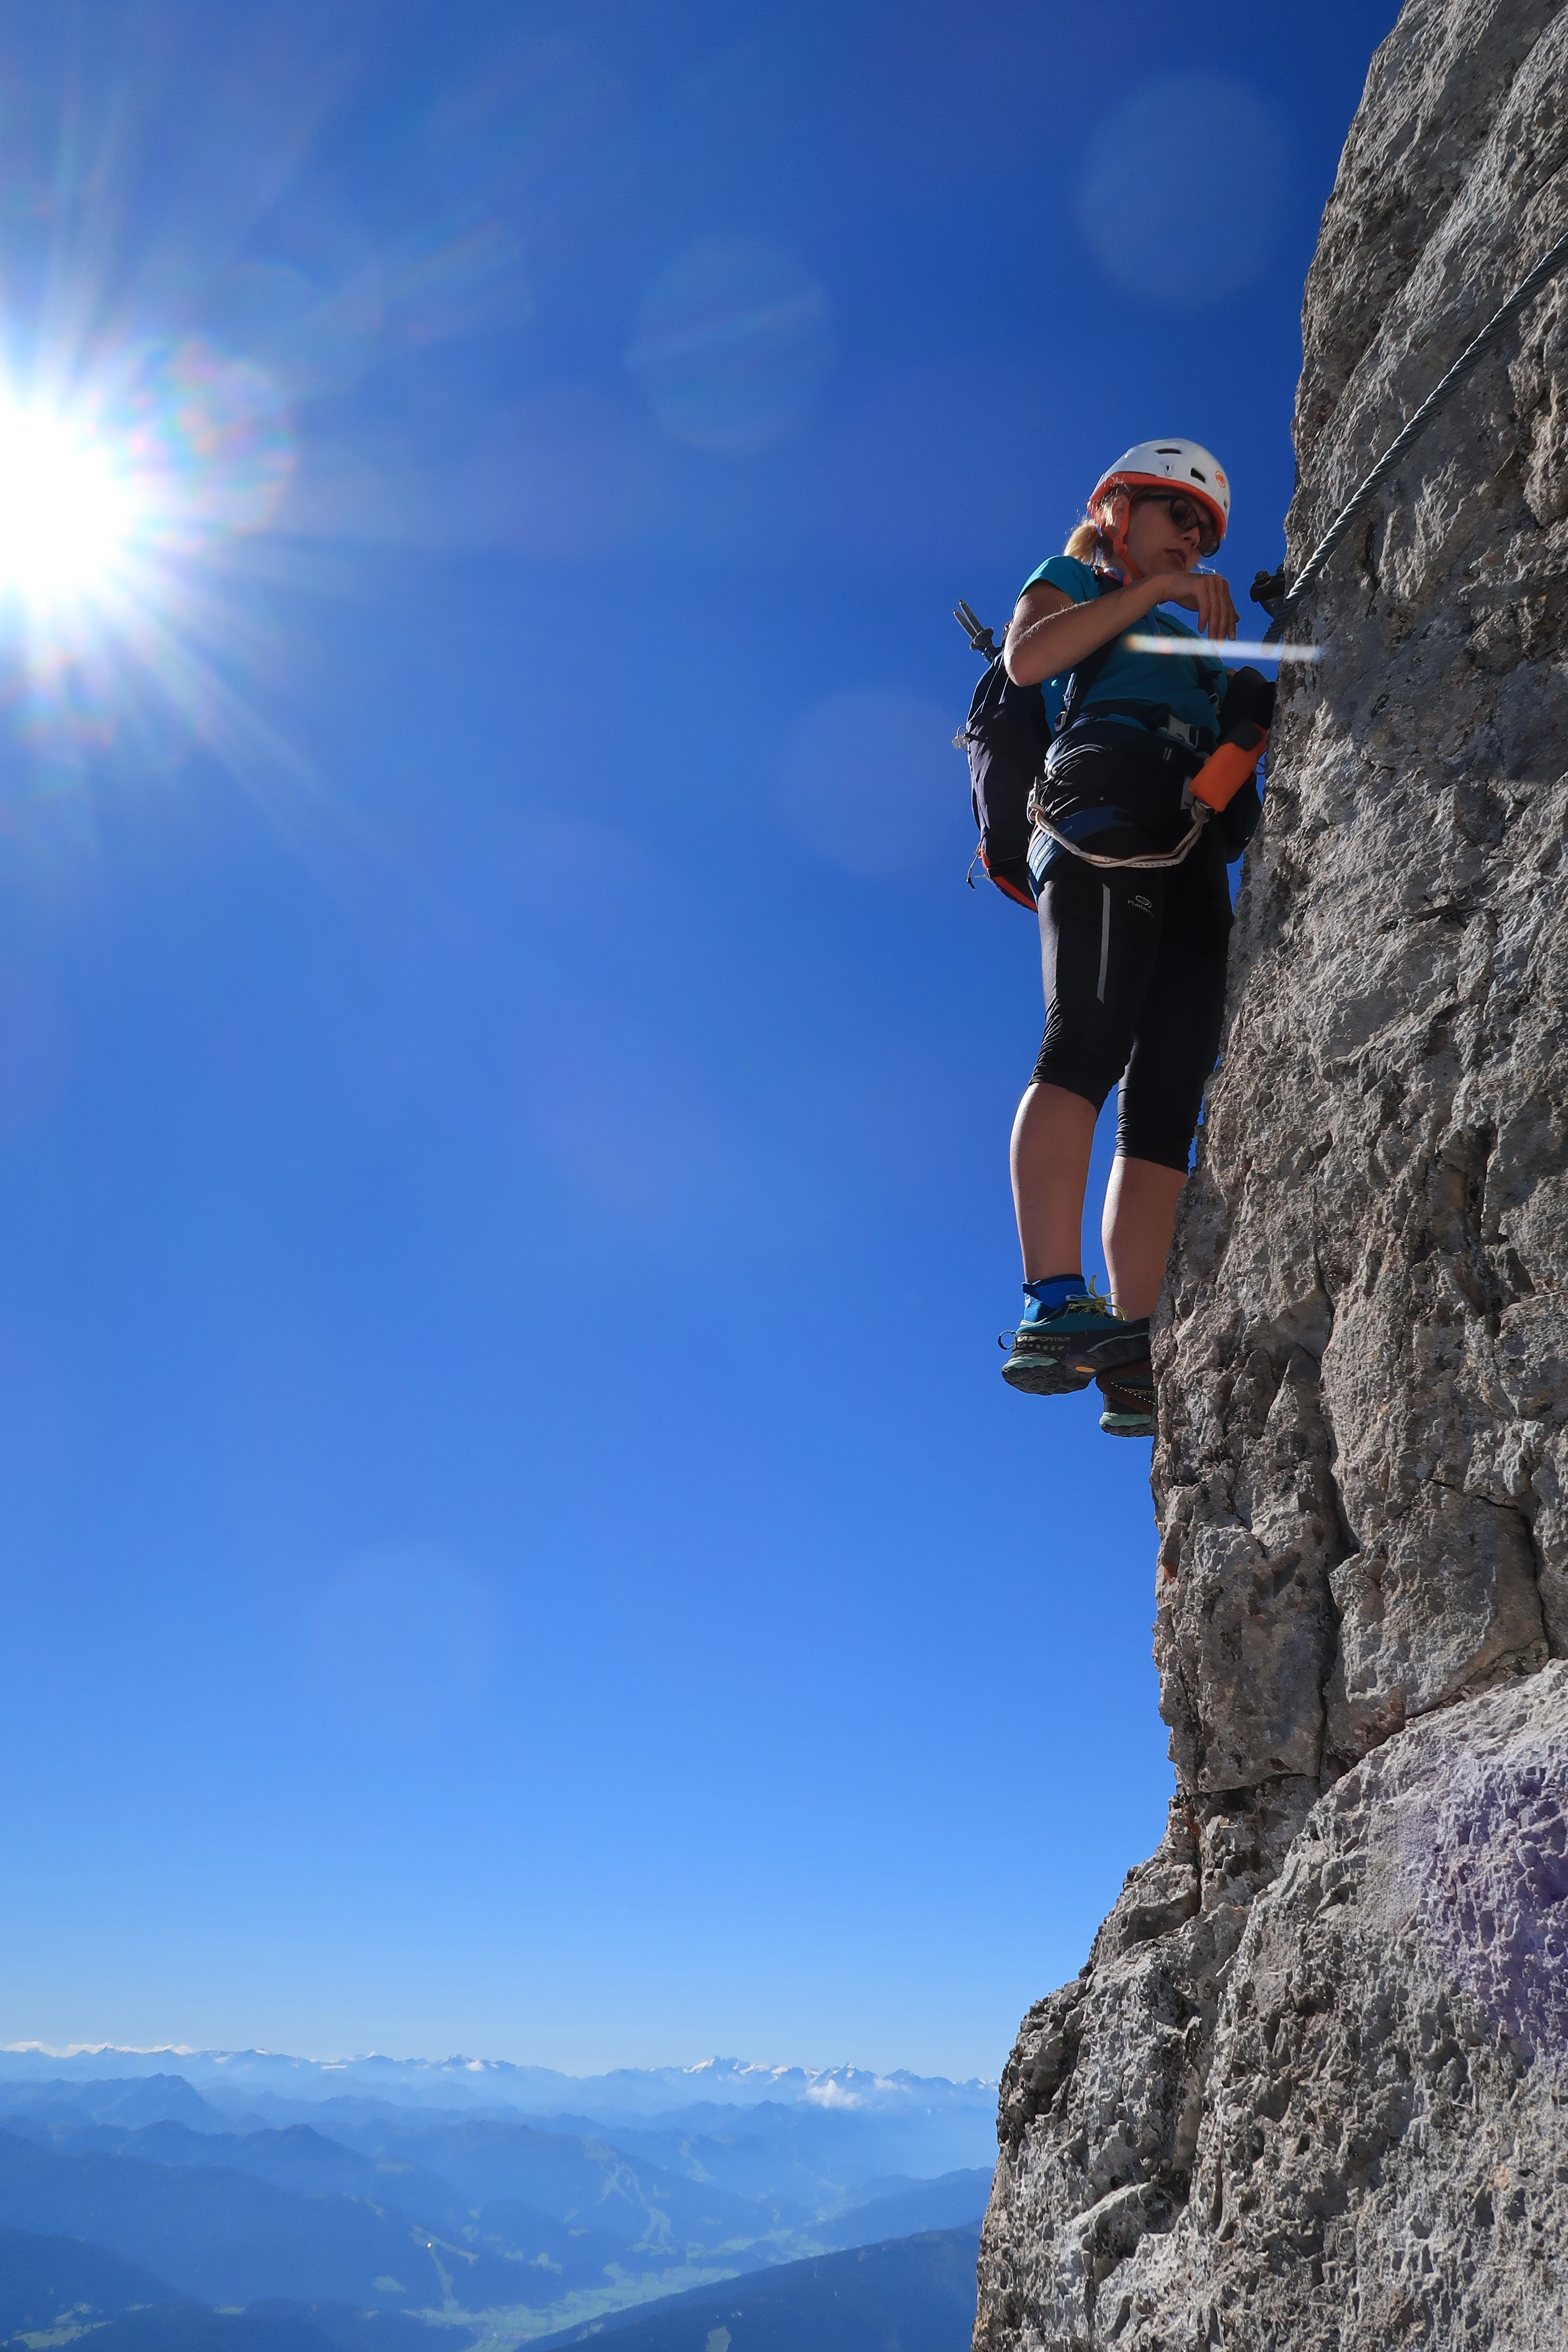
1140	1212
1052	1138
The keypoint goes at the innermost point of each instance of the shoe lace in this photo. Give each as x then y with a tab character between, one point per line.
1090	1293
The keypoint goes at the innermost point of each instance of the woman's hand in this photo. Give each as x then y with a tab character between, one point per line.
1203	592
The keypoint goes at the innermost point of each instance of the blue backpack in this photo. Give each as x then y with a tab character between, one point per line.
1008	734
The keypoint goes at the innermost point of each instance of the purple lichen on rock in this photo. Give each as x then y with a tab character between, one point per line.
1494	1894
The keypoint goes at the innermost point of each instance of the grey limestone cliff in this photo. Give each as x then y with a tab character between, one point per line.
1311	2089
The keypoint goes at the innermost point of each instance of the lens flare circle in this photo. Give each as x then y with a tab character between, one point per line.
868	780
68	510
1235	179
734	343
207	431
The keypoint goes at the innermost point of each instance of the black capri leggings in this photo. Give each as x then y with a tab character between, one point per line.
1134	971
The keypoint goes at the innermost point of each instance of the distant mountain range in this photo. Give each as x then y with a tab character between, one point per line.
624	2095
324	2213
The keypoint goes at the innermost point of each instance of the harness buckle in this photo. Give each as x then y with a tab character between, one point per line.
1179	731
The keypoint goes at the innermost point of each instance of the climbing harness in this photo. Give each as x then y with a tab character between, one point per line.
1230	767
1007	737
1278	593
1200	815
1226	771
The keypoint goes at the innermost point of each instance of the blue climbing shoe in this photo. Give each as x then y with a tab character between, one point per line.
1129	1393
1058	1347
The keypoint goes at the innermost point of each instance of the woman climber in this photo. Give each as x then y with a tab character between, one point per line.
1135	911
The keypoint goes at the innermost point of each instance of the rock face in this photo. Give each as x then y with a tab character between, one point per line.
1311	2089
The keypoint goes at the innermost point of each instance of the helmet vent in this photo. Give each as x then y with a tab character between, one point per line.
1172	450
1195	475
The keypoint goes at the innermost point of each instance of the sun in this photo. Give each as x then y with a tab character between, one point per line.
134	479
67	508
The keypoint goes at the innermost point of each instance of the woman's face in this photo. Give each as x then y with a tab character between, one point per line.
1154	543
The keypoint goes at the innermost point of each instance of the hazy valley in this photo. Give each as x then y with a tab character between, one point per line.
177	2201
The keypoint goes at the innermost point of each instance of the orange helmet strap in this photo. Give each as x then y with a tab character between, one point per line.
1116	508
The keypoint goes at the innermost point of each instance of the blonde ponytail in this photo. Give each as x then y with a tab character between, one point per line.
1084	543
1093	540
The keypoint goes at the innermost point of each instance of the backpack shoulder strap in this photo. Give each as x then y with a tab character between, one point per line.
1086	674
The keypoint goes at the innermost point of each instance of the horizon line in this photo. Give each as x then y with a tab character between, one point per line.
455	2058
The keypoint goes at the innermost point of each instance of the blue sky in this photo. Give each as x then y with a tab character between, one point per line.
513	1537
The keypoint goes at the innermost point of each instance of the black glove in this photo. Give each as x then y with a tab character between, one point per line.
1239	820
1250	695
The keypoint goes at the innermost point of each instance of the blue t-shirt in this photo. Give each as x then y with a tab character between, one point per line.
1130	677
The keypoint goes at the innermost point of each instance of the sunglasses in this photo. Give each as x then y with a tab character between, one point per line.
1185	513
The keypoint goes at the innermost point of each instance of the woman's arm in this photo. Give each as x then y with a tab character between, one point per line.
1048	633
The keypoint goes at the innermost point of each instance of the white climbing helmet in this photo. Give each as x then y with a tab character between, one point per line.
1171	465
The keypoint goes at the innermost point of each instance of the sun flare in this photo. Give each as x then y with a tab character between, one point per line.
67	508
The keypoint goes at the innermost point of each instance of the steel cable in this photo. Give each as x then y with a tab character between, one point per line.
1470	358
